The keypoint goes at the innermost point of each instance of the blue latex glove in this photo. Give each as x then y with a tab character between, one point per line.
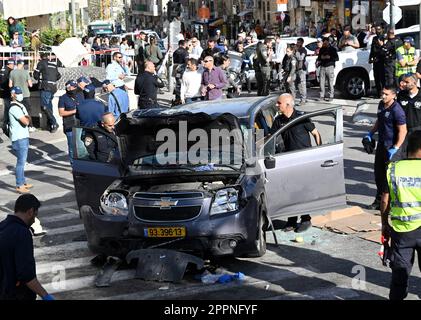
48	297
391	152
369	136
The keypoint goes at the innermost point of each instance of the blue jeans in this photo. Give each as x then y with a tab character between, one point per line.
20	147
69	136
47	106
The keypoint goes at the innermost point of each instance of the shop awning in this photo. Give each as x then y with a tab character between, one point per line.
245	12
216	23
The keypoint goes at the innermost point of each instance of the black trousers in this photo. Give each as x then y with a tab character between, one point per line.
389	73
381	162
378	69
404	245
266	80
259	82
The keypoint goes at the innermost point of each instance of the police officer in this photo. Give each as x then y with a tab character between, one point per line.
258	70
410	100
101	144
377	59
47	75
67	108
406	59
86	87
391	126
264	56
5	90
391	44
402	202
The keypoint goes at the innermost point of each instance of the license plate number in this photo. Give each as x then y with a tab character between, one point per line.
165	232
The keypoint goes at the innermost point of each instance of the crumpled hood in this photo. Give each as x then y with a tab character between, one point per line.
138	130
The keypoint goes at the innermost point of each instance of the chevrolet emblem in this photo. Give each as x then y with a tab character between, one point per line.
165	203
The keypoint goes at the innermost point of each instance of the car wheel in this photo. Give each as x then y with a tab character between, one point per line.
258	248
354	85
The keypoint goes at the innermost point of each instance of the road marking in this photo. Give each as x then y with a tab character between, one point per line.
86	282
36	163
62	248
58	231
330	293
48	267
71	214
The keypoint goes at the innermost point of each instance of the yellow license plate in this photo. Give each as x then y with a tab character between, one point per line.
165	232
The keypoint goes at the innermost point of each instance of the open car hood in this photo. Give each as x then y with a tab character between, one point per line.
138	130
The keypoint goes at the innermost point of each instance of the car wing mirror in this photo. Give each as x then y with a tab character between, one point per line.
270	162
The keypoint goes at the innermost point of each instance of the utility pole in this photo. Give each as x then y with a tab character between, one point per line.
392	21
74	18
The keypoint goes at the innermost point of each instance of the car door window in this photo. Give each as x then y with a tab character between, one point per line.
86	146
299	134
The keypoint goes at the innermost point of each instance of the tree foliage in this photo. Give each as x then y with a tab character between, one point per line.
49	36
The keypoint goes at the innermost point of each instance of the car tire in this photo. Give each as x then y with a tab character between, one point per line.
354	85
258	248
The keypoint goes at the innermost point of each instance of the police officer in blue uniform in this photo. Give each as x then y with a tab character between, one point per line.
67	108
101	143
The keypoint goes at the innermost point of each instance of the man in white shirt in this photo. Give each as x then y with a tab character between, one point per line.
191	83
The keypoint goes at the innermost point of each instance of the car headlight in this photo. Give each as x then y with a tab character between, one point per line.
225	200
114	203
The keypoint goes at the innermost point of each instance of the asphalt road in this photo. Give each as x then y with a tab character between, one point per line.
325	266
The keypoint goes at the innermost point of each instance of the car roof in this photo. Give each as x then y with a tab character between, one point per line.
241	108
414	28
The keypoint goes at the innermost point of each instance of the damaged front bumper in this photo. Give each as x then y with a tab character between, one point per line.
226	234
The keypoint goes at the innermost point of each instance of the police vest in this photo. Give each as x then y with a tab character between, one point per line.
408	56
404	179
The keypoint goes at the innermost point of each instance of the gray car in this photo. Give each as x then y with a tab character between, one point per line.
221	205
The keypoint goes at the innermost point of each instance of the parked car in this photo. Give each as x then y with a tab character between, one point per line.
207	207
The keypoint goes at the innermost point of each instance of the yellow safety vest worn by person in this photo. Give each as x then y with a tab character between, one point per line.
404	179
408	56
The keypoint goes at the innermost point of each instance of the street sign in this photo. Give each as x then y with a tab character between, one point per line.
397	14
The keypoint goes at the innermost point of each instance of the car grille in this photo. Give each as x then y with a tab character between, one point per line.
173	214
171	206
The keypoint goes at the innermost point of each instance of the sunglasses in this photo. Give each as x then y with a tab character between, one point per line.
207	60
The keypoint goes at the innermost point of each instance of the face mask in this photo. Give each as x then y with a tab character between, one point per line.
19	97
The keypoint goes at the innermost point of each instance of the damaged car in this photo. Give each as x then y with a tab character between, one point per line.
205	178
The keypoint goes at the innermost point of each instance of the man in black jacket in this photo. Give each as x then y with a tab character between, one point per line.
5	89
146	86
377	59
389	47
47	75
328	55
211	50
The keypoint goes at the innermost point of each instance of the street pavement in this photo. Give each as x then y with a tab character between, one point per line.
325	265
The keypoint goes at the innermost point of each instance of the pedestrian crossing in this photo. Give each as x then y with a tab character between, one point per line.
64	268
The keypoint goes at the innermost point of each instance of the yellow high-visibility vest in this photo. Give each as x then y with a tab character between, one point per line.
404	179
408	56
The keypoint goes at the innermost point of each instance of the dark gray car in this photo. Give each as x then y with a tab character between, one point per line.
220	205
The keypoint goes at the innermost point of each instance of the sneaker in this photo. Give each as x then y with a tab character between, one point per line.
22	189
28	185
32	129
304	226
374	206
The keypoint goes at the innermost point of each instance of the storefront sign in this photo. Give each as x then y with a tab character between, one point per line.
281	5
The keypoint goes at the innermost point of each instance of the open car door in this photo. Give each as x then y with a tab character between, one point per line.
310	180
90	176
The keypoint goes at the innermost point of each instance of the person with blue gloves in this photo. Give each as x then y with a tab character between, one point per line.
18	279
391	127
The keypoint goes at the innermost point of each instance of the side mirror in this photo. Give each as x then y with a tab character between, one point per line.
270	162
